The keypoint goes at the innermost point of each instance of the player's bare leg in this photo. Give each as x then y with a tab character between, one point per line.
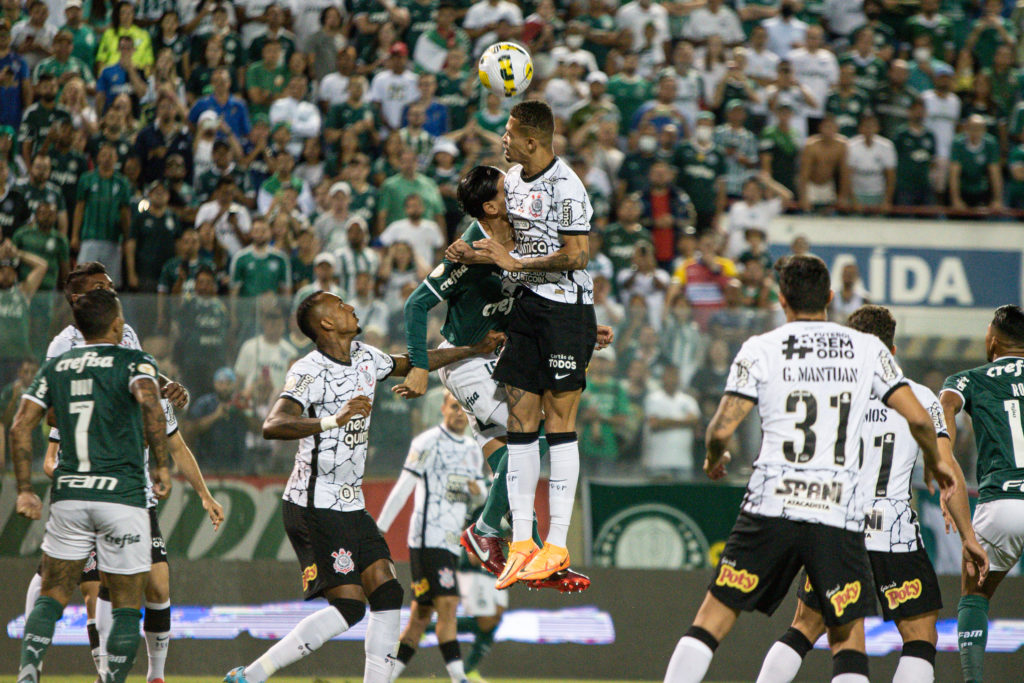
560	410
972	620
523	475
693	653
446	630
156	623
917	661
849	660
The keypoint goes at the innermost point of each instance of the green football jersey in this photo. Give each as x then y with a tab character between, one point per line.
476	303
102	455
993	396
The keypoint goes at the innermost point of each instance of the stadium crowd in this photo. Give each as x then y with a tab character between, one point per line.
225	159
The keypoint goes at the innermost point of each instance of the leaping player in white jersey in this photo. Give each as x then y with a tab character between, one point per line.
85	277
326	403
904	578
811	381
551	331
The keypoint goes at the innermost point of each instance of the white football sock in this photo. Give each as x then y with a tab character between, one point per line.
689	662
397	670
456	670
307	636
157	643
565	472
104	620
781	664
523	475
914	670
850	678
382	634
35	587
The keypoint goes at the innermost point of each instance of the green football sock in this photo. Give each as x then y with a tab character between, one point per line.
39	626
123	642
496	505
482	644
972	634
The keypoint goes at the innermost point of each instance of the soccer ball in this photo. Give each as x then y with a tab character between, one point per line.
506	69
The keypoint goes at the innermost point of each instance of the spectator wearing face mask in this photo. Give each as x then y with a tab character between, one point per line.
702	172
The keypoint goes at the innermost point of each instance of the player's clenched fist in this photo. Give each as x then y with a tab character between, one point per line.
161	482
491	341
29	505
717	470
360	405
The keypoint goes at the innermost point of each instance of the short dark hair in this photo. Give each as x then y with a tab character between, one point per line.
805	282
478	186
535	115
304	315
1009	322
75	284
876	320
94	311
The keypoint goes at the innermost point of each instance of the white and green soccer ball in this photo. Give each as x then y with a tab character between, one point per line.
506	69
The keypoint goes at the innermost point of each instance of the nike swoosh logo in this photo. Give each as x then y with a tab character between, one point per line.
480	552
558	376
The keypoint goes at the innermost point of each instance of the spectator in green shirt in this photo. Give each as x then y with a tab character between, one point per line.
15	296
64	65
990	30
44	240
155	229
408	181
10	399
260	268
604	413
102	219
265	80
975	176
84	41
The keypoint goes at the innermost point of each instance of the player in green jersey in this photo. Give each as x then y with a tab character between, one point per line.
477	302
993	395
99	492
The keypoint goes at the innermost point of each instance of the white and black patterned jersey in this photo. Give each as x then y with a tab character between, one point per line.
70	338
890	453
541	209
329	465
812	381
444	464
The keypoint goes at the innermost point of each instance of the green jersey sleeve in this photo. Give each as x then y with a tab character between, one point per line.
39	390
959	384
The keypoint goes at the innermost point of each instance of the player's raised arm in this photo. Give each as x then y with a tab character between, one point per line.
28	417
573	255
147	393
438	358
902	400
417	307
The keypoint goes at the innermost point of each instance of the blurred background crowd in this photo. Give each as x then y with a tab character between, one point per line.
224	159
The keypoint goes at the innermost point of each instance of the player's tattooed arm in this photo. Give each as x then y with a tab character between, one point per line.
438	358
731	411
574	255
26	420
154	424
903	401
174	392
286	422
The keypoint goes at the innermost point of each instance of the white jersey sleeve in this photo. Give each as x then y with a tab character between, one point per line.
812	382
890	454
